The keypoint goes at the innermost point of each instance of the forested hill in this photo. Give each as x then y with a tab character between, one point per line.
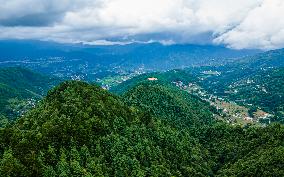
162	77
79	129
170	103
20	88
82	130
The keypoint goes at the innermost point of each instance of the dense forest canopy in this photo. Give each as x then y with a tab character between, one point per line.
79	129
170	103
167	77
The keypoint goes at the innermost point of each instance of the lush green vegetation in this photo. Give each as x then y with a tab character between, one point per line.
249	151
170	103
152	128
234	151
82	130
163	77
261	88
273	58
255	82
265	90
20	88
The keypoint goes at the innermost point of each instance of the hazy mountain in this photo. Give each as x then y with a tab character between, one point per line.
273	58
155	56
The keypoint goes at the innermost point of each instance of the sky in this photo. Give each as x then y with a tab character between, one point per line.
238	24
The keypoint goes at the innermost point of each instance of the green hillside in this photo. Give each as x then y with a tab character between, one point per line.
82	130
255	82
264	90
20	88
248	151
163	77
233	150
238	69
272	58
79	129
170	103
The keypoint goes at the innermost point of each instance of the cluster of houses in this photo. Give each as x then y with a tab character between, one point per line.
213	99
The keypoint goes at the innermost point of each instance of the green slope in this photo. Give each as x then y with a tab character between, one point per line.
265	90
79	129
273	58
249	151
255	82
170	103
82	130
18	87
163	77
235	151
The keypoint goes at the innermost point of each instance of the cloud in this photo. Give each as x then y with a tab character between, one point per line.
34	12
237	24
262	28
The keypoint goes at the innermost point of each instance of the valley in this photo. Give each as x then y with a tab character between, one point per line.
87	62
141	88
73	118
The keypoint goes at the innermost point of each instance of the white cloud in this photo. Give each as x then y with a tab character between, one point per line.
238	24
262	28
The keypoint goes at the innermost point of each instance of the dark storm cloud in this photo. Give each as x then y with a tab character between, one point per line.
41	19
35	12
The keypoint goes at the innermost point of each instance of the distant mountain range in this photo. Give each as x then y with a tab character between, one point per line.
152	56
